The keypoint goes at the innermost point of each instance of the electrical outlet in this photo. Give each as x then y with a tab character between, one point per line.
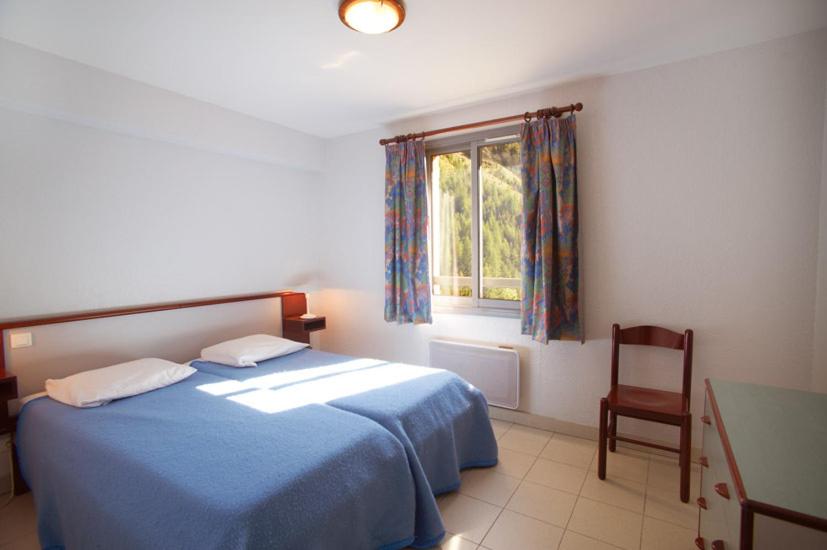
21	340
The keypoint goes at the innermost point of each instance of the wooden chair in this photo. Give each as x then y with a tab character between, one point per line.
660	406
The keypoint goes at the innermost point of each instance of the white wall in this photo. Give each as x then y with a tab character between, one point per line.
116	193
42	83
699	189
819	382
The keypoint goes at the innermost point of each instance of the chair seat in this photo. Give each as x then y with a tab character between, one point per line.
648	403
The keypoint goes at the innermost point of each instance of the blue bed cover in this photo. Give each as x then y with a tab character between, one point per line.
191	466
441	419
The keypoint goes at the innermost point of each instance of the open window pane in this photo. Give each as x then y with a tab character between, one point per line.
451	223
501	220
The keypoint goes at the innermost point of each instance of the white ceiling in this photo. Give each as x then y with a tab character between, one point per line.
292	62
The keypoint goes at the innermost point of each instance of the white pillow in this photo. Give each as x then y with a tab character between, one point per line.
244	352
97	387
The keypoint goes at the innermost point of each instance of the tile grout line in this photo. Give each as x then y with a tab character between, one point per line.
597	540
645	499
568	520
522	479
491	526
502	509
576	500
580	496
649	458
613	506
498	438
610	504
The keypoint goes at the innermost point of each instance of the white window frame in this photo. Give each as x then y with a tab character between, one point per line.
471	143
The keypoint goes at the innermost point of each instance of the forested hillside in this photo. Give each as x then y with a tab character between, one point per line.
501	229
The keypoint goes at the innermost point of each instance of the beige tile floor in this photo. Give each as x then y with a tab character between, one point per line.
544	494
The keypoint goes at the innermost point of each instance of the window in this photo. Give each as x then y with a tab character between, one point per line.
476	211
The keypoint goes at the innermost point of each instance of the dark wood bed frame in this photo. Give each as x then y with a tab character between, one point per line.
294	304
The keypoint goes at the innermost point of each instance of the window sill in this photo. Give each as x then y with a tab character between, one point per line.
484	311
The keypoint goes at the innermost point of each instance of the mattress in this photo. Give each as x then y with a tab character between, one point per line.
441	420
191	466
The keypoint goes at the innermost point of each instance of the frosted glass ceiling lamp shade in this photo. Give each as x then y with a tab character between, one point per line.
372	16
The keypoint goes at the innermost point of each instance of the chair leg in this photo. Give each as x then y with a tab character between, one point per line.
612	431
686	456
603	432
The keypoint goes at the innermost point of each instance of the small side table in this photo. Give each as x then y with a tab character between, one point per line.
293	327
8	391
298	329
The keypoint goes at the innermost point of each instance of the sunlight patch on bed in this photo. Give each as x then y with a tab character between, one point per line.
328	389
223	388
276	379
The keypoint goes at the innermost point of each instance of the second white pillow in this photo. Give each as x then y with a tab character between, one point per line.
245	352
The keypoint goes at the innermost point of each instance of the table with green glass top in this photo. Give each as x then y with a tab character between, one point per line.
764	468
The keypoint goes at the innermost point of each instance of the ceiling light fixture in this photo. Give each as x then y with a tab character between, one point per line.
372	16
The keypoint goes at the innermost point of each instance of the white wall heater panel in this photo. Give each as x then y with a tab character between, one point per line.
494	370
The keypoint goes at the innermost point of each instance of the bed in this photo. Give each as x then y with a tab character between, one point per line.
311	450
189	466
441	420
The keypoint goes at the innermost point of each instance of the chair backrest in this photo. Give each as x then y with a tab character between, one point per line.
647	335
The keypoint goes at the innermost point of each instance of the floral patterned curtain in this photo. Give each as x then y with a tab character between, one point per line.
550	276
407	272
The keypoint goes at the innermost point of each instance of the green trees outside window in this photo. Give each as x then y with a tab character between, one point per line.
499	228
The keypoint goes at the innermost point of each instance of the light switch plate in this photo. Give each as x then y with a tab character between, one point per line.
21	340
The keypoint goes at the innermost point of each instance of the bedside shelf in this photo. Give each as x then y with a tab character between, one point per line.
309	325
293	327
8	391
296	328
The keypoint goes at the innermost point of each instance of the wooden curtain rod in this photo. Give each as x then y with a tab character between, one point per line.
556	112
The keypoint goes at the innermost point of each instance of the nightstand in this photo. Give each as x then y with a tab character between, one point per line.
296	328
8	391
293	306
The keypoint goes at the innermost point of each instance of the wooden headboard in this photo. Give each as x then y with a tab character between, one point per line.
297	298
